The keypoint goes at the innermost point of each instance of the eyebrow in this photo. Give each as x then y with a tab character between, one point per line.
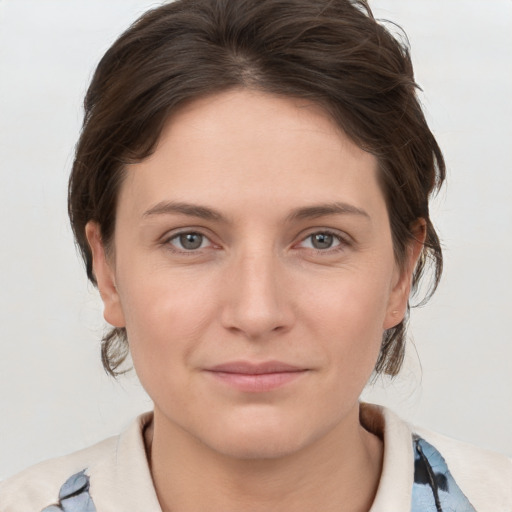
193	210
203	212
321	210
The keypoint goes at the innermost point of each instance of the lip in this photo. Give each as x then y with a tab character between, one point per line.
249	368
256	377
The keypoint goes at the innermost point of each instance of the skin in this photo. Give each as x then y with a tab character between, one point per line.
256	289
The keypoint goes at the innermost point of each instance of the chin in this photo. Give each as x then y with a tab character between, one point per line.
260	438
257	445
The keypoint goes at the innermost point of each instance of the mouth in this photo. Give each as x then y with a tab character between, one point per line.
256	377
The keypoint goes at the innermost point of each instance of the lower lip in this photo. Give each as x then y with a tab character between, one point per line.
257	383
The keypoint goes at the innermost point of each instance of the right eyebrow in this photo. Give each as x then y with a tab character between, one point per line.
192	210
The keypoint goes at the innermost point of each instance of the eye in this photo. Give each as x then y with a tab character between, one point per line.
322	240
189	241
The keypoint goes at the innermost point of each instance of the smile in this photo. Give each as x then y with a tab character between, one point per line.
256	378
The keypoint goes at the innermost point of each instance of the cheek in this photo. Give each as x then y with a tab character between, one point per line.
166	316
347	316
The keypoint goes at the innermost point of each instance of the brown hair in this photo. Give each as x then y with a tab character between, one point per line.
331	52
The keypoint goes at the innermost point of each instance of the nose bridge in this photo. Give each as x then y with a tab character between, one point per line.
256	304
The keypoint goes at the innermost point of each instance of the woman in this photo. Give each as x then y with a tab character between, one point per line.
250	195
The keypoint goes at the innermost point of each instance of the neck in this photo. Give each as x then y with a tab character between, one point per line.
340	469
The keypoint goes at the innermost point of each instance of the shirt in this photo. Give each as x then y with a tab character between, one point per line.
422	472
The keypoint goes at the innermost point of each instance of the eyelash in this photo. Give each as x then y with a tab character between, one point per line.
189	252
343	242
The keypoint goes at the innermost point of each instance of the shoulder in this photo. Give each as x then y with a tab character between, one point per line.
109	476
46	483
427	470
484	476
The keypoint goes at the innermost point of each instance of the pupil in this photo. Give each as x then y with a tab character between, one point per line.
191	240
322	241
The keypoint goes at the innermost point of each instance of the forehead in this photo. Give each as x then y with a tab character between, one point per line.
252	149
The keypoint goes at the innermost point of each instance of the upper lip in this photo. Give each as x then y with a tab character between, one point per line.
249	368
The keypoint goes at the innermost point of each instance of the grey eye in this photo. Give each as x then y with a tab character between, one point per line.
190	241
322	240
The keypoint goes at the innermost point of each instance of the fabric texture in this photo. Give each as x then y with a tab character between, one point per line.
422	472
434	487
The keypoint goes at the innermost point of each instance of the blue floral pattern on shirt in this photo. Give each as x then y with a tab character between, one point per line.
434	488
74	495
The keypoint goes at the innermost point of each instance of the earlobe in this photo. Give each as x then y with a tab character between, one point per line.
105	277
398	299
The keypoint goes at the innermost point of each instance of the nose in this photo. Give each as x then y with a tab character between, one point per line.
257	304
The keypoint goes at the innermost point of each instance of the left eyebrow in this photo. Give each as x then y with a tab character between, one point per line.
320	210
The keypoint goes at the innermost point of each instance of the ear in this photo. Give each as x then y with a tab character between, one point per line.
397	303
105	276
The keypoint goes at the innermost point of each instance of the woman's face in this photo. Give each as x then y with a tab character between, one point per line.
253	269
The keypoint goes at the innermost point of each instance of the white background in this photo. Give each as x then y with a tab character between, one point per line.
54	397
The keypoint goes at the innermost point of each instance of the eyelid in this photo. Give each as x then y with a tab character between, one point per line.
344	239
173	234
